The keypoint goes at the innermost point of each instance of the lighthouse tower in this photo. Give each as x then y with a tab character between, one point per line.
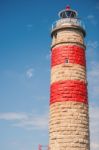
69	119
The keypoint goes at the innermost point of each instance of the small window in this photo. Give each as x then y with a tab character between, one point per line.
66	61
55	35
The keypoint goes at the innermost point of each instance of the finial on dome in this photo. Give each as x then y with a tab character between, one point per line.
67	7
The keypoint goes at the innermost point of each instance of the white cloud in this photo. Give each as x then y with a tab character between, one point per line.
30	73
92	19
93	80
97	6
93	44
29	25
94	127
95	146
92	48
26	120
41	97
94	118
12	116
94	68
93	86
48	56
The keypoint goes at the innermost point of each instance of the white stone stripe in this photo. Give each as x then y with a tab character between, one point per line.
69	126
68	36
68	72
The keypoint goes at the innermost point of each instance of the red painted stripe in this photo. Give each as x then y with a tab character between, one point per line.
73	53
68	91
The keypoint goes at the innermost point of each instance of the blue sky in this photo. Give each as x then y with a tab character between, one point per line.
25	27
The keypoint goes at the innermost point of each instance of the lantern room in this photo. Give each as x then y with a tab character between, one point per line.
68	13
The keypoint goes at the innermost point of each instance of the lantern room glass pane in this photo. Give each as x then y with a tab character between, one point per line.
68	14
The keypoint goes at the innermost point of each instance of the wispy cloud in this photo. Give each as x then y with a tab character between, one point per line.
29	25
12	116
94	127
93	84
93	80
26	120
95	146
91	18
30	73
94	118
41	97
93	44
92	47
48	56
97	6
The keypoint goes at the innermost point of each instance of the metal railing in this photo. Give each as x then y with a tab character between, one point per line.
68	21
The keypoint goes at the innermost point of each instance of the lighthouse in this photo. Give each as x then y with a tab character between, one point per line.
69	117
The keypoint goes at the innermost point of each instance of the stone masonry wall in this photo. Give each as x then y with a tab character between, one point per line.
73	53
69	119
68	90
67	36
69	128
68	72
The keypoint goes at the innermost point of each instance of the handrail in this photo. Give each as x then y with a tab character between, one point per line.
68	21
